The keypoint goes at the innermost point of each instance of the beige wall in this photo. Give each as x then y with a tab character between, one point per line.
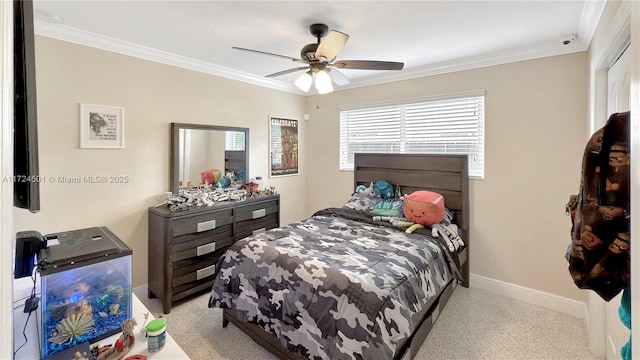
536	121
153	95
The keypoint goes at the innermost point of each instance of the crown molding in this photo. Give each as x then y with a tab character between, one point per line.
590	18
86	38
617	38
470	63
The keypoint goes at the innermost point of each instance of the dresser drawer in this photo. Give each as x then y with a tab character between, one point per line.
185	265
203	245
256	211
191	288
195	270
250	227
202	223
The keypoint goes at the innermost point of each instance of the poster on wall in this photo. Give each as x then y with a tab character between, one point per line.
283	146
101	126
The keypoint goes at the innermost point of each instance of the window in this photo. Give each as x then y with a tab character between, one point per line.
234	140
446	125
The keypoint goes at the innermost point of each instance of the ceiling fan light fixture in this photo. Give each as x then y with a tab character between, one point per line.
319	61
323	82
331	45
304	81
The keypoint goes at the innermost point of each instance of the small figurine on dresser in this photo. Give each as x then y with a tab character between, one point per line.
122	346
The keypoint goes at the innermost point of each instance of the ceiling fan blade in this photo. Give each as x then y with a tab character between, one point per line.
368	65
331	45
270	54
288	71
337	77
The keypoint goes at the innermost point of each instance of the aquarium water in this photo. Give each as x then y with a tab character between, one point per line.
86	290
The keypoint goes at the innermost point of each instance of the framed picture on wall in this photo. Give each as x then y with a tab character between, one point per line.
283	146
101	126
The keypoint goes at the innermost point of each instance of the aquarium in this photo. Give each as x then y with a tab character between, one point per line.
86	288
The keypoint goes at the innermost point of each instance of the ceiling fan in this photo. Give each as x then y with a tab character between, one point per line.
319	60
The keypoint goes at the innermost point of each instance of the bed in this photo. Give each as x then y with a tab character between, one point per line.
340	286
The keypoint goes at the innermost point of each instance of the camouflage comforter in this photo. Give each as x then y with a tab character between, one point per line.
333	286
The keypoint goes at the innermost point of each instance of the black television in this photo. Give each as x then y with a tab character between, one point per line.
26	186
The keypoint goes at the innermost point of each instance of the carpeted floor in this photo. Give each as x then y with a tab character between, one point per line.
475	324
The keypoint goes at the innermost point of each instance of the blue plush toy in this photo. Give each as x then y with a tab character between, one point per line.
383	189
624	311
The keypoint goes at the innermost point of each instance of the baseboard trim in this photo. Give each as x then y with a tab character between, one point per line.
531	296
521	293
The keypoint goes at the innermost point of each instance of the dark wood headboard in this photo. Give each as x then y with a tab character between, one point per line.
445	174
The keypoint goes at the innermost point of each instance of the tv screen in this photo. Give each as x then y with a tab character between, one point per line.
26	186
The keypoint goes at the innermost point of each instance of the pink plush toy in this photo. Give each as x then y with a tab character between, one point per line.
210	176
424	207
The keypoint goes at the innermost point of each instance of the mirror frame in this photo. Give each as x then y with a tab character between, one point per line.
175	150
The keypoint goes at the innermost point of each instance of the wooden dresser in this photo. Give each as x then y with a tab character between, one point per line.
184	247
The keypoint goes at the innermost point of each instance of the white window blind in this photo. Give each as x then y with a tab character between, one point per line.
443	126
234	140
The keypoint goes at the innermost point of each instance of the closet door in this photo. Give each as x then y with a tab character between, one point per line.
619	87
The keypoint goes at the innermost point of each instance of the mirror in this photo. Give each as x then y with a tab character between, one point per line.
201	148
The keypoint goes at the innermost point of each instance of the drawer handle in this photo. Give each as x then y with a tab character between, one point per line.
203	273
259	213
206	225
205	249
258	231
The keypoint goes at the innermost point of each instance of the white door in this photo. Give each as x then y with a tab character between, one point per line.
619	87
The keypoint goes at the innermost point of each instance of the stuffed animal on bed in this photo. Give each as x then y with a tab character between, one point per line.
383	189
421	208
361	189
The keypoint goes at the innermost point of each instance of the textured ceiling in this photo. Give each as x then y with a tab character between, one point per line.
428	36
